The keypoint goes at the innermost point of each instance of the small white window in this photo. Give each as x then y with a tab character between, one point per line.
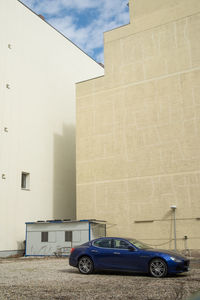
25	181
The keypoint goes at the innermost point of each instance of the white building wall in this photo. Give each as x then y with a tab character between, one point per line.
41	68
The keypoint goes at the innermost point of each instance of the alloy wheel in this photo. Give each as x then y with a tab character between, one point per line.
85	265
158	268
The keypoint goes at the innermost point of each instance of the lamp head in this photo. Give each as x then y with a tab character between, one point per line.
173	207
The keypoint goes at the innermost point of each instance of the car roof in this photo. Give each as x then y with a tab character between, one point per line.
111	237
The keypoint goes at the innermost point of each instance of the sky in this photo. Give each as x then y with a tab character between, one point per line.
83	21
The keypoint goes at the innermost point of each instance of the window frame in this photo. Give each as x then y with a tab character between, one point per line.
118	247
70	232
25	181
101	239
44	236
113	244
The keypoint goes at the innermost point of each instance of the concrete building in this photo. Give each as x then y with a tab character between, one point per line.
138	128
38	71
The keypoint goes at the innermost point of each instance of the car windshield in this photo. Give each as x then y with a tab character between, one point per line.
139	244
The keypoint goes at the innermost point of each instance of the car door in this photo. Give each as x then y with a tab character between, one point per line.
126	257
101	252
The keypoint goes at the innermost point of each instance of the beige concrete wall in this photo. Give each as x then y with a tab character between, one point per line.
41	67
138	127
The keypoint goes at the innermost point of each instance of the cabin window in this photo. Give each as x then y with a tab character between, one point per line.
44	236
68	236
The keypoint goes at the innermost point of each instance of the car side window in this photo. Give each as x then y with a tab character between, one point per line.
103	243
120	244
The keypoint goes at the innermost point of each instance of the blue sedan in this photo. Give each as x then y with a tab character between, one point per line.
111	253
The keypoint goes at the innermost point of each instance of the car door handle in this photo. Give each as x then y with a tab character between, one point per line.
116	253
95	251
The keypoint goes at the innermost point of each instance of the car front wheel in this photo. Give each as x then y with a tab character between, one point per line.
85	265
158	268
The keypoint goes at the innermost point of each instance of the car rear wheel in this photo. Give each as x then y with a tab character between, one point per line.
85	265
158	268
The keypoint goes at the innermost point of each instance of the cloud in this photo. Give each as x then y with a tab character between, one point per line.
80	4
83	21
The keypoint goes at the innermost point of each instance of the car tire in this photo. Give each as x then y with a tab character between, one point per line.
85	265
158	268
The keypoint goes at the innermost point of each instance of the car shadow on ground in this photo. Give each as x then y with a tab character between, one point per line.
121	273
69	271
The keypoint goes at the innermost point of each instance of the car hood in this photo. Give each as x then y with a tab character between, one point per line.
168	252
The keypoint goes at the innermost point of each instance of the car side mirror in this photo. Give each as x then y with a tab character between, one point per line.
130	248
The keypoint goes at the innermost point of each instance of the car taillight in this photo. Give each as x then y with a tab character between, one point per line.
72	249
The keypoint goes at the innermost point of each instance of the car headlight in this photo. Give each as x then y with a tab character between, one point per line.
176	259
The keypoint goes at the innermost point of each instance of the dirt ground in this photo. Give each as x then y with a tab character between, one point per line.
53	278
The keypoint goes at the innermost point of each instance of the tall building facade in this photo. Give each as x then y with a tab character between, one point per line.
138	128
38	71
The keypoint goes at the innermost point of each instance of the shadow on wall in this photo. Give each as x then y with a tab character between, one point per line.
64	204
169	216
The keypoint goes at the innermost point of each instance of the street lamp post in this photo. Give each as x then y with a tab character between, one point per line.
173	207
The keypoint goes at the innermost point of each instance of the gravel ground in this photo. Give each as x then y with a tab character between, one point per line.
53	278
